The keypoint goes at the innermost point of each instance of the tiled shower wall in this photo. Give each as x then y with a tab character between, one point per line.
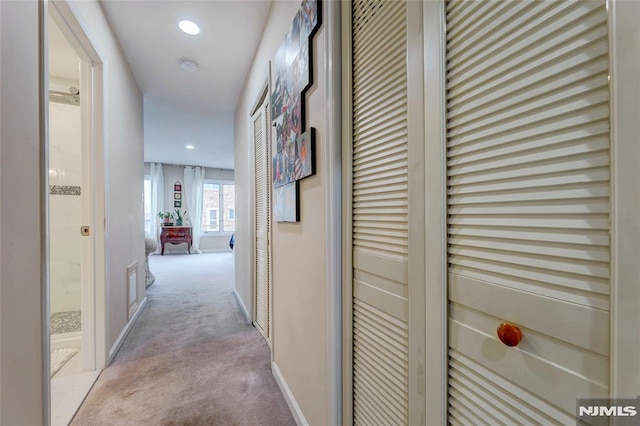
64	206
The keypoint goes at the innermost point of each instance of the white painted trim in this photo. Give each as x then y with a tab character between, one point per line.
66	340
132	280
99	220
333	202
347	216
123	334
252	218
297	413
45	301
416	212
242	306
257	103
76	31
213	251
625	204
88	243
269	132
435	208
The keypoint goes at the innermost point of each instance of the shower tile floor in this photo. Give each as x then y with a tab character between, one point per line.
66	322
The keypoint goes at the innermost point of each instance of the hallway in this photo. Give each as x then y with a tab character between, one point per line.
191	358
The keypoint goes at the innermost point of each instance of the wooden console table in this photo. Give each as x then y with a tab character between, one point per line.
175	235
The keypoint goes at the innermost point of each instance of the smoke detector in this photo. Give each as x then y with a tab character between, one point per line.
188	64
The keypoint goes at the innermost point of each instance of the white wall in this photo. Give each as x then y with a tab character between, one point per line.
64	210
299	250
124	141
22	381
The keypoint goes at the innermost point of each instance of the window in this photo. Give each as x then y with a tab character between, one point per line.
212	216
147	205
218	207
229	204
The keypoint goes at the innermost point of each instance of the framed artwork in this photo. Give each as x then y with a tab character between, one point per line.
177	187
287	208
177	196
294	153
177	204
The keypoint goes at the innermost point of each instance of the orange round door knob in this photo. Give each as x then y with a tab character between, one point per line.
509	334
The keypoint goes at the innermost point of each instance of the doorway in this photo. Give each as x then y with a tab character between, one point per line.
65	202
262	216
76	305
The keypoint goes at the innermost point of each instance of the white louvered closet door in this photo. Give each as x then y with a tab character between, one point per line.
386	340
528	208
262	209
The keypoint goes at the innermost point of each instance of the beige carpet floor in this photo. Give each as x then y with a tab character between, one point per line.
191	358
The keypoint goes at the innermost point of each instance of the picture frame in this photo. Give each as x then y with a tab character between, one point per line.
177	187
287	205
177	196
177	204
293	158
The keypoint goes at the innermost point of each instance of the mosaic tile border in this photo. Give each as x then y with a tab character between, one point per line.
64	190
66	322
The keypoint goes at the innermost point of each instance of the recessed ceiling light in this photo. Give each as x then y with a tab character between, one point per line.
189	27
188	64
189	146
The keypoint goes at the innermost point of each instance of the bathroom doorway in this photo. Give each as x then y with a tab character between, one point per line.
76	256
65	203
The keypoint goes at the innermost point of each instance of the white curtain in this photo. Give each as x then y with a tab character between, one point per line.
157	201
193	186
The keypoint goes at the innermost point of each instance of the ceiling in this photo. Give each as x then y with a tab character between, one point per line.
183	107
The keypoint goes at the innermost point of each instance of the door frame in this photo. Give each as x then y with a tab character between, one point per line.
347	216
92	78
624	58
263	94
436	351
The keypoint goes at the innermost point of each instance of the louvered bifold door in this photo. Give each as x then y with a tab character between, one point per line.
381	142
261	258
528	208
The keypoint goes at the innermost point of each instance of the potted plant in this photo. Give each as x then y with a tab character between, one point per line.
166	216
179	216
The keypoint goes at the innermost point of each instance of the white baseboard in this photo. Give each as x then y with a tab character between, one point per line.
66	340
241	303
184	251
116	346
288	396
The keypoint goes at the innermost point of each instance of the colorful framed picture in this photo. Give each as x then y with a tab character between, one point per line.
177	187
177	204
293	158
177	196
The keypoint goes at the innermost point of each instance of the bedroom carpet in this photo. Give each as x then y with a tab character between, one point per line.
191	358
